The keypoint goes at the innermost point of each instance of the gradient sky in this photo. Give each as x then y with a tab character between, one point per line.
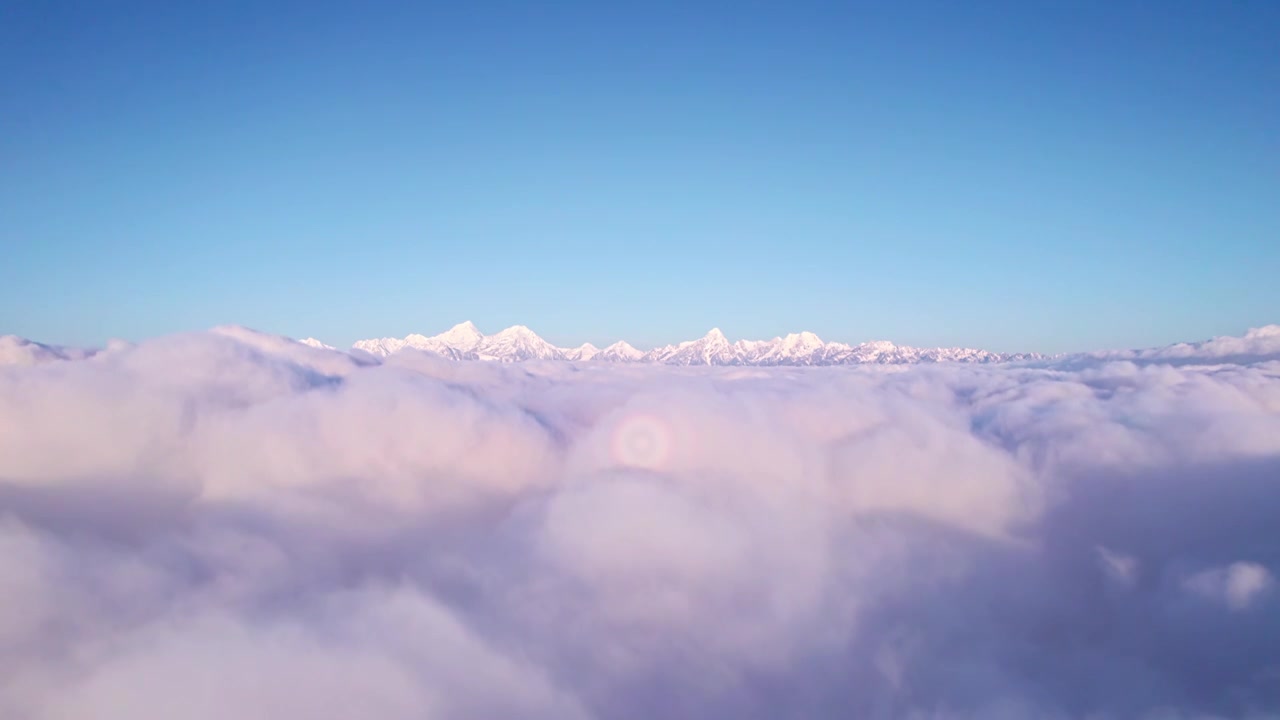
1010	175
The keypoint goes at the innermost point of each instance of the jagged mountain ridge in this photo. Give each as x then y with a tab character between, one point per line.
518	343
466	342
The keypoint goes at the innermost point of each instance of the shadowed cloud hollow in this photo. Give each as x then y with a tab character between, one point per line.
232	524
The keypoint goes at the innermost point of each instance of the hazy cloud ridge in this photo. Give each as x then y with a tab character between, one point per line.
232	524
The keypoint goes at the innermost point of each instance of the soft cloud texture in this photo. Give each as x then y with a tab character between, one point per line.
229	524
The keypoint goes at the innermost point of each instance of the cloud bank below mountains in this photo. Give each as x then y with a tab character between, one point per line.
230	524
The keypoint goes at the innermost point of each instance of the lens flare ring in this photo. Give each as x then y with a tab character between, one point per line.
641	441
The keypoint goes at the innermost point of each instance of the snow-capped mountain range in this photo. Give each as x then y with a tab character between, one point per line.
518	343
465	342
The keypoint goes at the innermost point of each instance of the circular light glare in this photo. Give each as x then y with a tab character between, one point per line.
641	441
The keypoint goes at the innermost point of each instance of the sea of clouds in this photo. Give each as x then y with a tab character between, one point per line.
233	525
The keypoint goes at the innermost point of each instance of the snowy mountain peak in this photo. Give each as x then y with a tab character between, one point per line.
517	331
804	348
583	352
517	343
711	349
464	336
457	341
878	345
621	351
801	340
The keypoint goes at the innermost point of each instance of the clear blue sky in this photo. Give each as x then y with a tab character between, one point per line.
1012	175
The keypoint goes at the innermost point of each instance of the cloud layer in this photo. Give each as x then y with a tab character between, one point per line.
229	524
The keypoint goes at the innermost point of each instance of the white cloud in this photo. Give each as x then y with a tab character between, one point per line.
234	524
1122	568
1237	585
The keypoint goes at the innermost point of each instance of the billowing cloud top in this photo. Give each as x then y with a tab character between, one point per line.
230	524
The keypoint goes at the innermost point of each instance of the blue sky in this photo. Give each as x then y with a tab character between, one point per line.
1011	175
